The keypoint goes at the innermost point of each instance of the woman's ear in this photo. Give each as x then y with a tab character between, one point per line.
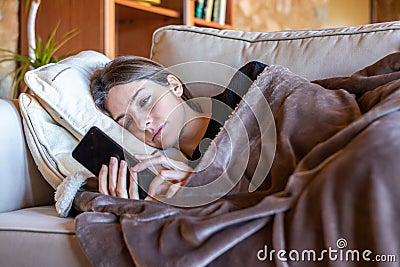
175	85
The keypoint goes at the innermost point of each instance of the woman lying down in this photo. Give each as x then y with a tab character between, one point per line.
333	174
156	107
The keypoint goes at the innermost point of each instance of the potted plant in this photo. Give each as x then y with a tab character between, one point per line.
40	52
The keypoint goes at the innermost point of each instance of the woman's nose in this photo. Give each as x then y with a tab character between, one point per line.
145	122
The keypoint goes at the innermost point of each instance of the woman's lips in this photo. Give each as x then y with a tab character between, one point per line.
157	132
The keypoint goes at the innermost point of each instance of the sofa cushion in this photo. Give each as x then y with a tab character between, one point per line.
42	219
38	237
313	54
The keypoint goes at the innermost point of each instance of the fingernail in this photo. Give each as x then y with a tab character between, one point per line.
123	163
112	160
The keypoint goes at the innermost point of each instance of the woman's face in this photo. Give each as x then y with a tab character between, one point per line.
152	112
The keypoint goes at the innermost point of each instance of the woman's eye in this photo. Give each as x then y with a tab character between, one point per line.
144	101
128	123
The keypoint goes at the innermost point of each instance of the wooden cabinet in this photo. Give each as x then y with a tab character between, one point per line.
114	27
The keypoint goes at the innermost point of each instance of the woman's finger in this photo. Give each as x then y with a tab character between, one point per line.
133	185
103	180
173	189
112	175
121	190
147	156
173	175
160	160
150	161
158	187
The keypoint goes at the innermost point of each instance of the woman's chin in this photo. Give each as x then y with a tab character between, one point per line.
165	143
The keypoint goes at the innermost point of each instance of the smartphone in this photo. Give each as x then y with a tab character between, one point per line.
96	148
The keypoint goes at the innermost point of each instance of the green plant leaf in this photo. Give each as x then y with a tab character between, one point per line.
44	54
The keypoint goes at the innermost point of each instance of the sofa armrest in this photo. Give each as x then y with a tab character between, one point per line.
21	184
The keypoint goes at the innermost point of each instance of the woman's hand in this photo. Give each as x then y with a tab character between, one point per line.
172	175
113	180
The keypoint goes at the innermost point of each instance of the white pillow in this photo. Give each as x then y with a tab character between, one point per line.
63	90
50	143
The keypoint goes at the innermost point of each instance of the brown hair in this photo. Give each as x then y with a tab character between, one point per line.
126	69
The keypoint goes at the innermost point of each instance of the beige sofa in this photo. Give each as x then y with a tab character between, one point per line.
32	233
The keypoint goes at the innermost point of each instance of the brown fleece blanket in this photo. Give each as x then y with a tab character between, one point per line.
331	195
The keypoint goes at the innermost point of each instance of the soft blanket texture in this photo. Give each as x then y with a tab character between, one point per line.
333	185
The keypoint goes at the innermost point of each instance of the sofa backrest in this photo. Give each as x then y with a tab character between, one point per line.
313	54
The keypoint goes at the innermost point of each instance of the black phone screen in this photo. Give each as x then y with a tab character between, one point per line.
96	148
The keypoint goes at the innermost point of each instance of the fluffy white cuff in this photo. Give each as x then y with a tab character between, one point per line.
66	191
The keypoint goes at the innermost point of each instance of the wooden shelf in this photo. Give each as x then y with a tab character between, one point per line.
114	27
211	24
150	9
190	19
